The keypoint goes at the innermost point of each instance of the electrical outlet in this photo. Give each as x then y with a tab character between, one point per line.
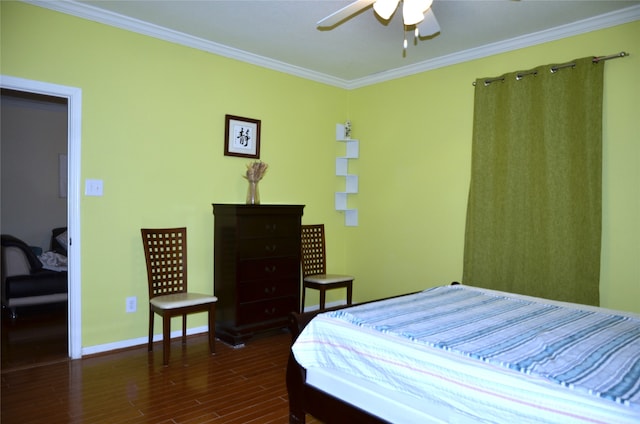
132	304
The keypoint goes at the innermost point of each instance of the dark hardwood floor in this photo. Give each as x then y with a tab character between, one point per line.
37	336
236	385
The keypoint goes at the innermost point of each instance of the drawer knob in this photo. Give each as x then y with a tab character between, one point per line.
270	269
271	290
270	248
270	311
271	228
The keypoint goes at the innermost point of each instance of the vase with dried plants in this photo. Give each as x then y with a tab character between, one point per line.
255	172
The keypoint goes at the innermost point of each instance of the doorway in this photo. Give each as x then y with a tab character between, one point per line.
34	151
73	98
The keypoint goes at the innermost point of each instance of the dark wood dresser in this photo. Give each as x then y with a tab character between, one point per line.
256	268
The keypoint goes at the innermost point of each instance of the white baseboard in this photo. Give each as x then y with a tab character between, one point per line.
327	305
92	350
123	344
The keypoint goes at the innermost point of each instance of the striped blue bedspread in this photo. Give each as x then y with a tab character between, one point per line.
583	349
580	349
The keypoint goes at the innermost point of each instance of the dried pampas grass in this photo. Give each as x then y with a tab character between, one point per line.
255	171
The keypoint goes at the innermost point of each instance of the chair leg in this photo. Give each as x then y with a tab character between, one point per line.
150	343
184	329
166	338
304	291
212	328
323	296
349	293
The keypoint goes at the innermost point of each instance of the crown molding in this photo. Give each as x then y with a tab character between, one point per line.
619	17
95	14
92	13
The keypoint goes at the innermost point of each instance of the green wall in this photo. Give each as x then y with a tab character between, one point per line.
415	168
153	125
153	130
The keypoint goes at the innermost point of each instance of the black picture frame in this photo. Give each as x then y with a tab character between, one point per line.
242	137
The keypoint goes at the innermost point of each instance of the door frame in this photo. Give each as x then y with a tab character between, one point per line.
74	125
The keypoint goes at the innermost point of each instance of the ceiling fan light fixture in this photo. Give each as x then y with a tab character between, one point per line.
413	11
411	16
385	8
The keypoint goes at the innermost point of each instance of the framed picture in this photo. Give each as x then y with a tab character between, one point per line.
241	137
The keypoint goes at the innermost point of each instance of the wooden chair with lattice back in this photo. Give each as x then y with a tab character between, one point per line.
314	266
165	252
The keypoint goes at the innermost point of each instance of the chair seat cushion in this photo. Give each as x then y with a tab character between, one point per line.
180	300
328	278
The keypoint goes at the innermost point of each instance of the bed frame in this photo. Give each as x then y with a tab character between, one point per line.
305	399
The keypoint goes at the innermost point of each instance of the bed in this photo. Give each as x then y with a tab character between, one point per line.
460	354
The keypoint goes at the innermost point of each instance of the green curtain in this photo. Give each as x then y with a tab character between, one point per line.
535	204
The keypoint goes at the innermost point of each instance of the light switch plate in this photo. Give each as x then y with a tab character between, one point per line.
93	188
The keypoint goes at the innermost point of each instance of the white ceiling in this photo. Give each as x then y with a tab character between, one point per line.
283	35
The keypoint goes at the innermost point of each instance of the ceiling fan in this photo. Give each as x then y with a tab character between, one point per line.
415	14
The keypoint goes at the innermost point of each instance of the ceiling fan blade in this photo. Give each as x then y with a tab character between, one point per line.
385	8
344	13
429	25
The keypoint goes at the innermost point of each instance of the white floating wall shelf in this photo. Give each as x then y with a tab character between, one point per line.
351	180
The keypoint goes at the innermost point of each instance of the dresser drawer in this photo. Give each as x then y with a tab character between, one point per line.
256	268
256	312
268	268
269	247
268	226
264	290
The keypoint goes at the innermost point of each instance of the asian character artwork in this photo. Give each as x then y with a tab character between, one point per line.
242	137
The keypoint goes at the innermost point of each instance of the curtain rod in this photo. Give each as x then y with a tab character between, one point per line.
520	75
